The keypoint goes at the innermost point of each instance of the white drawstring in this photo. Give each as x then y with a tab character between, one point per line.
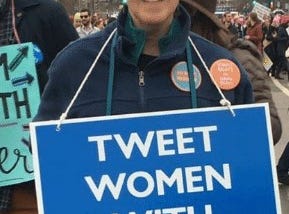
64	115
224	101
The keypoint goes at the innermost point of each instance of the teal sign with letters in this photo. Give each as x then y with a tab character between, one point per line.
200	161
19	101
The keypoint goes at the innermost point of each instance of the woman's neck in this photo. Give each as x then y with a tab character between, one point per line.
152	44
153	35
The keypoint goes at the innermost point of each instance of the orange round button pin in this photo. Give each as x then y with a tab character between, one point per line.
226	74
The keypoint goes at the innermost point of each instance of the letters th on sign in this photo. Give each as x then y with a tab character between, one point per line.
19	100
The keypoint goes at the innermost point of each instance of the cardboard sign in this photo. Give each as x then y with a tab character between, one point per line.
261	11
267	62
19	100
187	161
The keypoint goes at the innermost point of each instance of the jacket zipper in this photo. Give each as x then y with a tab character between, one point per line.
141	83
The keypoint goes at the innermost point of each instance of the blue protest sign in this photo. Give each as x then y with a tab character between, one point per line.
19	100
187	161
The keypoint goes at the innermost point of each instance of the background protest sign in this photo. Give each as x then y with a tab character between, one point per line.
261	10
267	62
186	161
19	100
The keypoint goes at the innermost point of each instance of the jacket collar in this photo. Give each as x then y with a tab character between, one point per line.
131	39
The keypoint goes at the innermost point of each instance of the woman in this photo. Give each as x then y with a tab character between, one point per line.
131	66
145	43
281	38
270	47
254	31
76	20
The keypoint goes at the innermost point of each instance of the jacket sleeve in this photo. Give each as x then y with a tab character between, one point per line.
282	34
249	57
257	36
58	90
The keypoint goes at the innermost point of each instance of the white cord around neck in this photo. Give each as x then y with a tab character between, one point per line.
64	115
224	101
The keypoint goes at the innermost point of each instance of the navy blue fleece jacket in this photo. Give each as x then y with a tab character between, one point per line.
159	93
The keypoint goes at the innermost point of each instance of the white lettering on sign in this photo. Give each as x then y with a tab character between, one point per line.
182	137
177	210
192	176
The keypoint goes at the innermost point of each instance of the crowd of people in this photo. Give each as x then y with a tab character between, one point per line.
271	37
164	38
269	33
87	23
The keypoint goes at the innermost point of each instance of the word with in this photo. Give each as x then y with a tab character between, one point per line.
177	210
164	138
160	179
10	99
4	157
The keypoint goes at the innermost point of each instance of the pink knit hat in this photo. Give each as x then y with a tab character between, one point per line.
284	19
277	19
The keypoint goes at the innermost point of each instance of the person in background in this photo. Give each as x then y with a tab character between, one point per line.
267	21
238	24
209	26
86	27
254	31
281	38
283	166
94	18
46	24
227	20
242	22
100	24
76	20
269	43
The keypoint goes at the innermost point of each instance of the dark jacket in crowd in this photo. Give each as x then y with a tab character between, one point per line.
271	48
281	39
46	24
